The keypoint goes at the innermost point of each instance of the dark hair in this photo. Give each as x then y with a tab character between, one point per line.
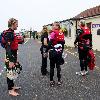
44	27
43	32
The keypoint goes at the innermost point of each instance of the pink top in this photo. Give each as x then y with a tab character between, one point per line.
52	35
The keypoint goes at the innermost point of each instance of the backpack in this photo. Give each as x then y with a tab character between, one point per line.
3	39
84	44
59	36
91	60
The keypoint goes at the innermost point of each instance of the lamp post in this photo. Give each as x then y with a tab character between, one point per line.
30	32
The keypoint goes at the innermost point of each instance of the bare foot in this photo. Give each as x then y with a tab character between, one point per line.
13	93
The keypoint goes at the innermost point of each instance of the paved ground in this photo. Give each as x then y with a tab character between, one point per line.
36	87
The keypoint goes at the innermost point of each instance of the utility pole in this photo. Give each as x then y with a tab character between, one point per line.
30	32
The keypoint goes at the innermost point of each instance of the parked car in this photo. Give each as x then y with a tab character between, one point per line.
20	38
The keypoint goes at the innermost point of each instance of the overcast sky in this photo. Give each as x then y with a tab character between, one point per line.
36	13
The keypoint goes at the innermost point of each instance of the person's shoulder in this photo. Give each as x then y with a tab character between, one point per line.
8	31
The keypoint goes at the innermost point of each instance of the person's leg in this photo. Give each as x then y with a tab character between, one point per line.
11	88
44	66
85	64
10	84
58	72
82	64
42	69
14	53
81	58
52	66
86	60
58	69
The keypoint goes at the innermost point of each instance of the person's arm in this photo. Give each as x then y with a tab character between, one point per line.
91	41
79	31
10	38
42	38
50	43
45	39
76	41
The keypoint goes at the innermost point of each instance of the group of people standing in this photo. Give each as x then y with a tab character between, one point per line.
56	41
52	45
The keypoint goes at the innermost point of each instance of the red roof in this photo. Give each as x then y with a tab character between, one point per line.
89	12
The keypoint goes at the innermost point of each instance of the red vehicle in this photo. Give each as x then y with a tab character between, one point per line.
20	38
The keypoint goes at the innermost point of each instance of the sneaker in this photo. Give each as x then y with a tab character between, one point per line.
83	73
78	73
59	83
52	83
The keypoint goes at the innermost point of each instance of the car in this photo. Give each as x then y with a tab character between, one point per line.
20	38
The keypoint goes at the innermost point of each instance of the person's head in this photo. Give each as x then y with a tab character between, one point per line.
45	29
13	24
56	26
82	23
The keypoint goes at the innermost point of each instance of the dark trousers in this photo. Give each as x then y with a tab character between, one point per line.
44	65
10	82
83	60
14	53
53	62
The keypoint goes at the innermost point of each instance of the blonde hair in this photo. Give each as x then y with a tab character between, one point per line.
11	21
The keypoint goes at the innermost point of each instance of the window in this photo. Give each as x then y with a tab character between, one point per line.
69	32
66	27
66	33
98	32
